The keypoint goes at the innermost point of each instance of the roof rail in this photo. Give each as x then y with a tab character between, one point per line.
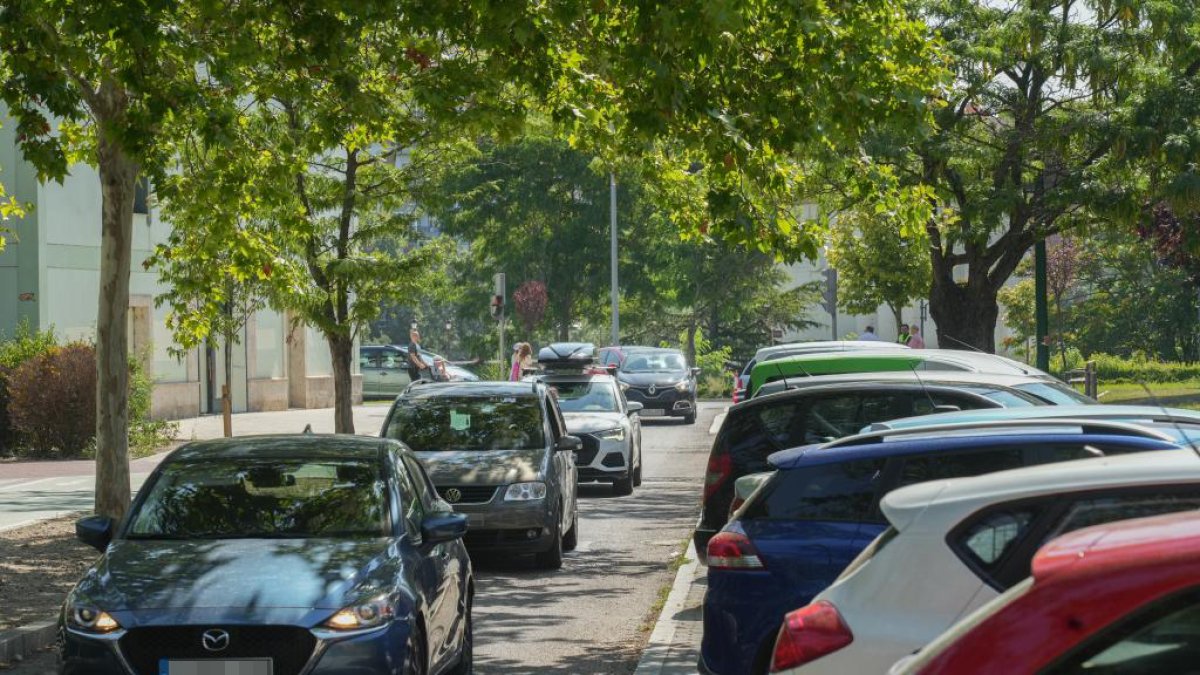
1087	426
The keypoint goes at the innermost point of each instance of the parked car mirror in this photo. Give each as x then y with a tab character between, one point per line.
443	527
695	372
571	443
635	407
95	531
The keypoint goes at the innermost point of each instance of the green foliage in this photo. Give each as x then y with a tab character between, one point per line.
26	343
52	401
1136	369
146	434
877	263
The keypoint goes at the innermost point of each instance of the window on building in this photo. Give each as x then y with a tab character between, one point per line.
269	347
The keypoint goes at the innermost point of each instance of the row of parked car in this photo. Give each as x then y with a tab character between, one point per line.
311	554
928	519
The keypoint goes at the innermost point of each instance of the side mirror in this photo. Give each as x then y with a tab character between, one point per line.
635	407
695	371
95	531
569	444
443	527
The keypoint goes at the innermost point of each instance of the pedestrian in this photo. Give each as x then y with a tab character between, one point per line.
522	361
869	335
418	369
903	336
914	340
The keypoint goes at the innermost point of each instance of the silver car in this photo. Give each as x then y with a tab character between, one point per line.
609	426
500	453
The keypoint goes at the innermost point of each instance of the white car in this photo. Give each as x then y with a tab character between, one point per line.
595	410
954	545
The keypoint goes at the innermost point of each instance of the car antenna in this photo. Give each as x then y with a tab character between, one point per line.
1175	423
933	404
954	339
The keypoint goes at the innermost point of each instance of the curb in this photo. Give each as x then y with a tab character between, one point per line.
18	643
662	639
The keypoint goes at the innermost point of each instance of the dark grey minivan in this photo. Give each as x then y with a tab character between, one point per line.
499	453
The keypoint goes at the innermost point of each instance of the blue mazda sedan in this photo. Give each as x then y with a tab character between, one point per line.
276	555
820	509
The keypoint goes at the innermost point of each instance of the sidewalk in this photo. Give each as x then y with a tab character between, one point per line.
674	646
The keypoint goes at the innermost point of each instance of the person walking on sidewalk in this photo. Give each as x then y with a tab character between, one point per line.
868	335
418	368
522	361
903	336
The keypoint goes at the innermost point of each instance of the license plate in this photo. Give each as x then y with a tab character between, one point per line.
216	667
652	412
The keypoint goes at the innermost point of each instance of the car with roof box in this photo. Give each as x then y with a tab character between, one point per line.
275	555
820	509
952	546
1128	591
821	410
500	453
595	409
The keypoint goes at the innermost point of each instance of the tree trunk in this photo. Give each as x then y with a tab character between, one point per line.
226	391
965	315
341	349
690	347
118	176
897	315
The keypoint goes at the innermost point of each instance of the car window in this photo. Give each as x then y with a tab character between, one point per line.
592	396
421	483
1088	512
448	423
410	500
293	498
845	491
1159	638
1012	398
831	417
392	360
1057	394
988	540
937	466
368	359
782	422
655	363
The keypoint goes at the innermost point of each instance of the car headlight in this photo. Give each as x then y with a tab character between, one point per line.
525	492
92	620
369	614
617	434
681	386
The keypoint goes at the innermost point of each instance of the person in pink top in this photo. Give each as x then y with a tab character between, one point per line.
914	338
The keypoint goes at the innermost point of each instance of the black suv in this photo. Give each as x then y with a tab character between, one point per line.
755	429
500	453
661	381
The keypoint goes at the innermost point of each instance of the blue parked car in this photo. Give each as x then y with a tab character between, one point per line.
821	509
276	555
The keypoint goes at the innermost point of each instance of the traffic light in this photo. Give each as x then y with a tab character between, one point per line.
829	292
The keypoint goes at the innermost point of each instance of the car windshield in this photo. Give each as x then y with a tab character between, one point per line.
655	363
1057	394
287	498
446	423
586	396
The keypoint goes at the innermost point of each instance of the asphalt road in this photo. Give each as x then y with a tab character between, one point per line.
592	616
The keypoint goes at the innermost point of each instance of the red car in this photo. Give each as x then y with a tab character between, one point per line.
1117	598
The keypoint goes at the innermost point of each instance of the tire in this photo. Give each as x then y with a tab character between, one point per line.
415	661
553	558
690	418
624	486
466	659
637	471
571	540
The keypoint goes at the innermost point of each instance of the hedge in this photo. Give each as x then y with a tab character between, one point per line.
1136	369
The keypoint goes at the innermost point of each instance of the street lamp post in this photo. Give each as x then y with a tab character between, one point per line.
616	309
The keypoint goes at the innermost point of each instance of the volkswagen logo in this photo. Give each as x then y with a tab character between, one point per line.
453	495
652	390
214	640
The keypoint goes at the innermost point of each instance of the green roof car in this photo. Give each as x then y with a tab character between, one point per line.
807	365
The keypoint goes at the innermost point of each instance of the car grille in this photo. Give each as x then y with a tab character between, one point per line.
467	494
613	460
587	454
586	475
660	394
289	647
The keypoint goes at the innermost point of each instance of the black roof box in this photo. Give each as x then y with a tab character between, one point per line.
567	356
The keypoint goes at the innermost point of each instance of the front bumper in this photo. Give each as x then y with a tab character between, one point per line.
139	651
603	459
670	401
510	526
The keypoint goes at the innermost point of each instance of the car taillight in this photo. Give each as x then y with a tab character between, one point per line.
809	633
732	551
719	469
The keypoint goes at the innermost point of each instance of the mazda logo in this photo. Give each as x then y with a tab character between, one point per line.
453	495
652	390
214	640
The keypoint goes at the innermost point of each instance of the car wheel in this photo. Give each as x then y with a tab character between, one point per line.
637	471
623	486
466	656
553	558
415	661
572	539
690	418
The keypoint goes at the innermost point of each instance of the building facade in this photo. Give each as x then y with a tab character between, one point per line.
49	278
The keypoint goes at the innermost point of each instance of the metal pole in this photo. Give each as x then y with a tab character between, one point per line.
616	310
1041	307
924	313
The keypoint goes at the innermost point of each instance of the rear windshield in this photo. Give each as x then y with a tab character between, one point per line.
1058	394
293	498
845	491
448	423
